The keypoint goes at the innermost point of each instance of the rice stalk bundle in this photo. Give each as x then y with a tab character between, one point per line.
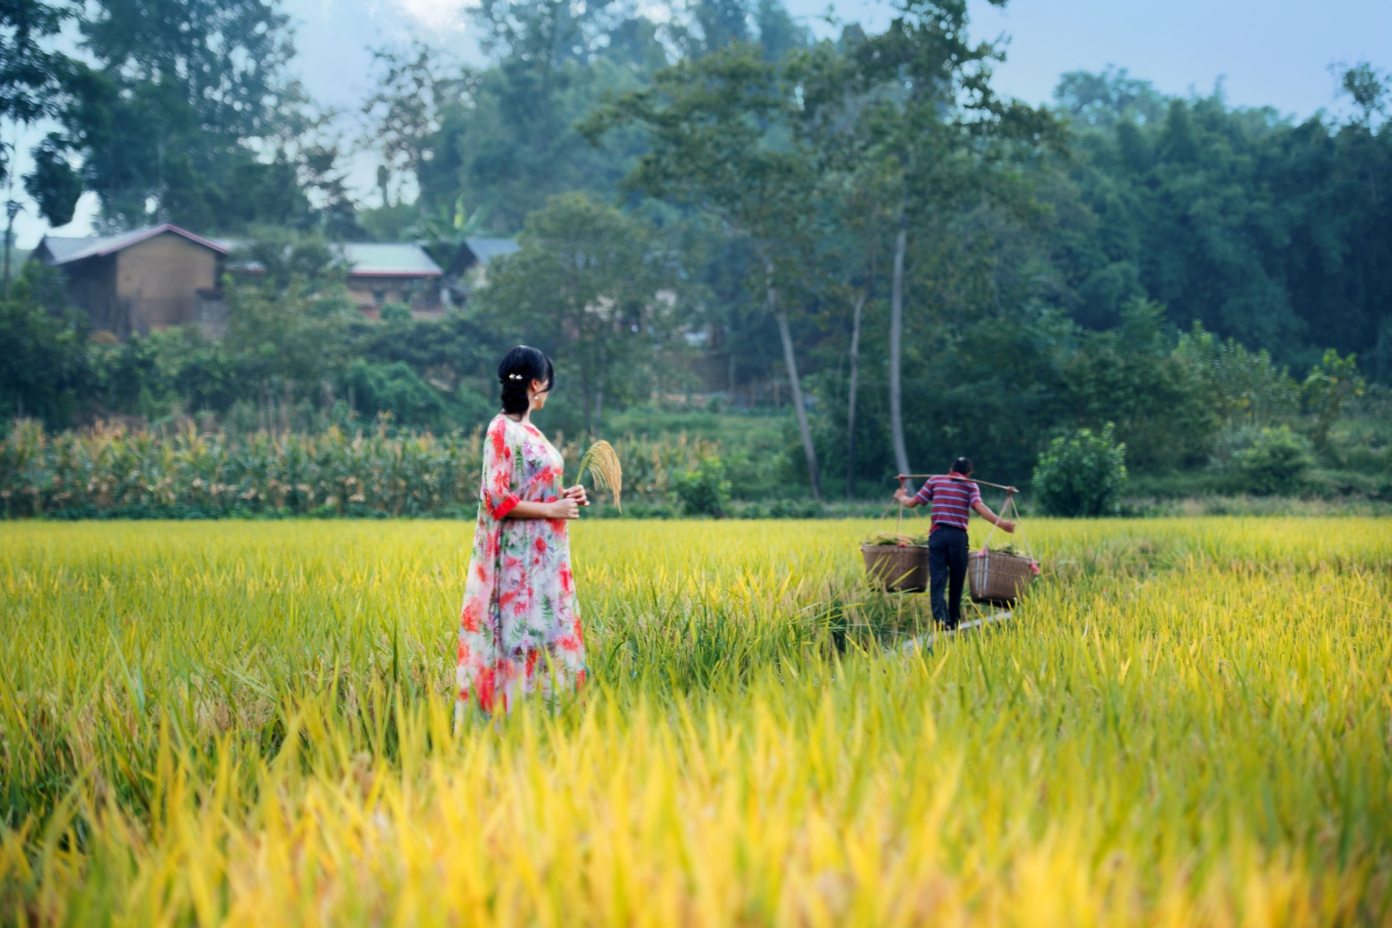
603	464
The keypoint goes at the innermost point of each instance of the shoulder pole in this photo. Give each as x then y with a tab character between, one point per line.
985	483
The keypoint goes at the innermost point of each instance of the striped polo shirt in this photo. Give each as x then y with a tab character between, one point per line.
952	499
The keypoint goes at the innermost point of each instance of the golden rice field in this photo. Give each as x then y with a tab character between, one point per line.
1189	722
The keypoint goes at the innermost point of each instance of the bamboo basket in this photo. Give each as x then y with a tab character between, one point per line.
898	568
998	578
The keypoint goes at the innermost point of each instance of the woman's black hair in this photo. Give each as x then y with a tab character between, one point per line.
520	367
962	466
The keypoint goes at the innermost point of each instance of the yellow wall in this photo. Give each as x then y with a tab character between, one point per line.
161	277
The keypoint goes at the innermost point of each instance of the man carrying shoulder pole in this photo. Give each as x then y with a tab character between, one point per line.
952	496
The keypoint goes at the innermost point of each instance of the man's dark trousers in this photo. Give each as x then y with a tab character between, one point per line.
947	571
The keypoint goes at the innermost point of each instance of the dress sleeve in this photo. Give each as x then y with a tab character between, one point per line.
498	467
975	495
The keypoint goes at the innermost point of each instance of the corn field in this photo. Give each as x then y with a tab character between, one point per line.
1187	722
180	473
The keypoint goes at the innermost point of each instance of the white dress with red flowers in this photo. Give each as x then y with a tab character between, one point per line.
519	629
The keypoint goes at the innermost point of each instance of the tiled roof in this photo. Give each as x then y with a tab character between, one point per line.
66	250
381	259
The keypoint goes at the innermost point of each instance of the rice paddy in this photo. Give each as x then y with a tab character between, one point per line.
1187	721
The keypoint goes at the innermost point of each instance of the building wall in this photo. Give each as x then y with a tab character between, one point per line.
92	287
161	277
370	294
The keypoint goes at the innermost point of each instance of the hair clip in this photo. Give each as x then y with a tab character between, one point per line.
514	376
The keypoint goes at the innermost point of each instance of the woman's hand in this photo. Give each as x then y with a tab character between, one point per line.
1006	526
905	498
576	493
564	508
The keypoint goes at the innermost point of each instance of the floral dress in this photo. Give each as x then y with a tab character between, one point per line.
519	629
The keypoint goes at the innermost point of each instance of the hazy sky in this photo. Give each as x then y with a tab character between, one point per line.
1266	52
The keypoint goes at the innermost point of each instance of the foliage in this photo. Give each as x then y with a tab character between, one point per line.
1243	387
1131	374
716	129
1159	263
54	184
1331	385
31	75
44	368
279	258
185	111
1082	476
1275	463
703	490
392	389
1287	253
227	714
595	288
500	140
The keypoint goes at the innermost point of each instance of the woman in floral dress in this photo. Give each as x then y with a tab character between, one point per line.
519	629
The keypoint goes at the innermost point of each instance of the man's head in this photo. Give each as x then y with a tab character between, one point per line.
962	466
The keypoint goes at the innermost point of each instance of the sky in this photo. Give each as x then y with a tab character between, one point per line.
1262	52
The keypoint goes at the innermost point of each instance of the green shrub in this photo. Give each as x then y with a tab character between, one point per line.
1081	476
395	312
395	388
1276	463
703	491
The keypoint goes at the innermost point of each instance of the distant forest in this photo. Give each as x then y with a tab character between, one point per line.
712	202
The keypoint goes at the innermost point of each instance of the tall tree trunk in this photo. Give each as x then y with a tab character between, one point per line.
599	397
851	399
896	339
730	358
588	396
790	361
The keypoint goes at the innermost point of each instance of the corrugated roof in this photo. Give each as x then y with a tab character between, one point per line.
383	259
62	248
66	250
486	249
366	259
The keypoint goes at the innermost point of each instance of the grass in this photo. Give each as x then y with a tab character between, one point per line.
1189	722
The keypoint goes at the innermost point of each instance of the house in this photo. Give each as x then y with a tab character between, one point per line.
142	281
382	273
466	272
138	282
379	273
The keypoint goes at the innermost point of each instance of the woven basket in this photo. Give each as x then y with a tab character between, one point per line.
996	577
898	568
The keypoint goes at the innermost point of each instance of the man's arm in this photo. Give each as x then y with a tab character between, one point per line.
911	500
985	512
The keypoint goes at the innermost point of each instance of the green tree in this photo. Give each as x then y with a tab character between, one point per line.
1082	476
926	109
1276	463
31	77
500	139
43	367
175	117
1275	234
594	284
282	258
1328	388
712	127
1131	376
